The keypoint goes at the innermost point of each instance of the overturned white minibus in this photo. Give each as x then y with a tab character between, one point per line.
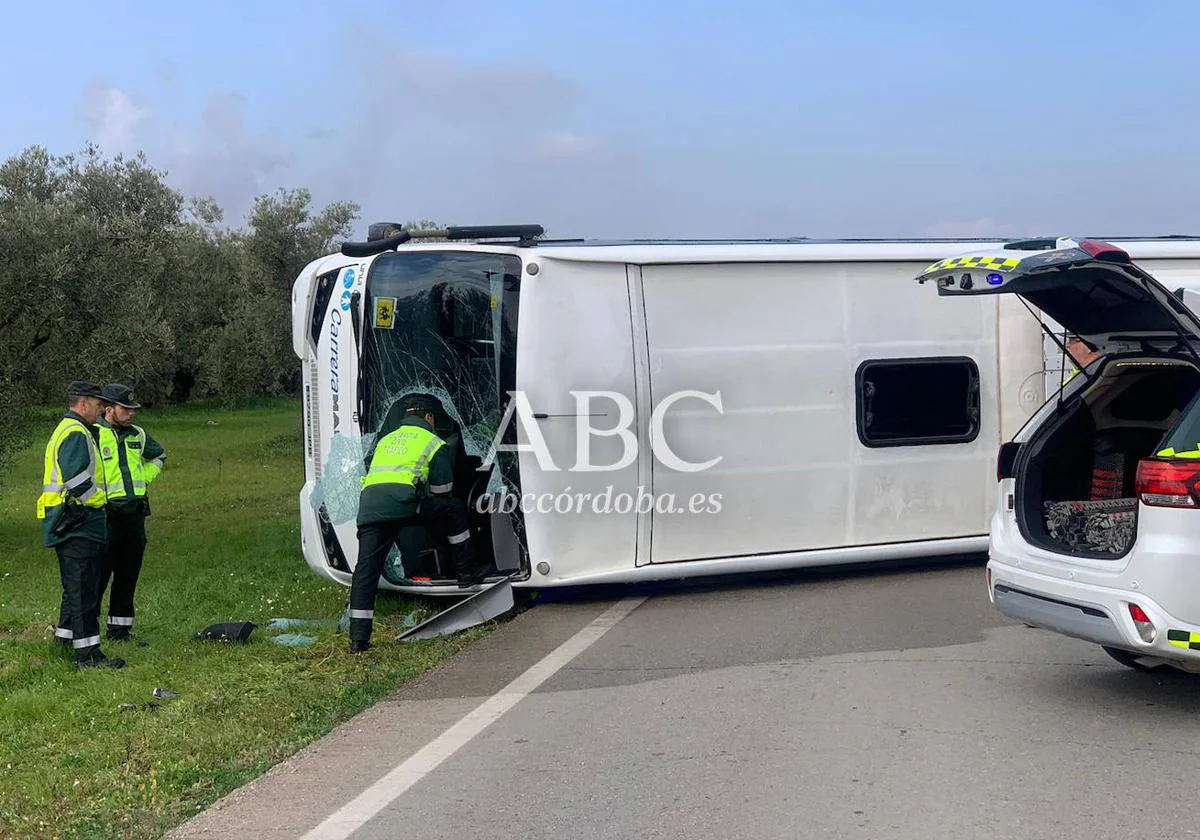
626	411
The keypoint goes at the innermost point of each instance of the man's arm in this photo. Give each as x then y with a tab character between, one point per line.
75	467
154	458
441	472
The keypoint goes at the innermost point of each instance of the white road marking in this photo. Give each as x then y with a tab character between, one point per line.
351	816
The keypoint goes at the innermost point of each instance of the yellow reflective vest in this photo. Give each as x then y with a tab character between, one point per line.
71	471
402	457
86	481
1171	453
115	451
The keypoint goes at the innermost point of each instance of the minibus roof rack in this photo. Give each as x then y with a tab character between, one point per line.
387	236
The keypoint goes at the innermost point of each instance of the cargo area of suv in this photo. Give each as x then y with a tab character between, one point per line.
1076	476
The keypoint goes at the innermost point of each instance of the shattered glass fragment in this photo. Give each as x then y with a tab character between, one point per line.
341	478
293	640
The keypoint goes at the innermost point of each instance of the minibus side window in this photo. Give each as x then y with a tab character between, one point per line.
911	402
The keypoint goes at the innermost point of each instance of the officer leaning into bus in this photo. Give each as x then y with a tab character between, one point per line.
410	476
132	459
74	522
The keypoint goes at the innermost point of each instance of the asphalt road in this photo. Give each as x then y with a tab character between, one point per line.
869	705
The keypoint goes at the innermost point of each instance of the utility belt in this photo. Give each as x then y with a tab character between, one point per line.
137	506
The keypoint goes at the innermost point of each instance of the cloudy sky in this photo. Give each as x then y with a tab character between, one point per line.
616	118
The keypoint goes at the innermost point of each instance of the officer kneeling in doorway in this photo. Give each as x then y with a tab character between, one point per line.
409	480
132	459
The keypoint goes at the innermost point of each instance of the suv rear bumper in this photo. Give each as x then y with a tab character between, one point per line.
1087	621
1089	613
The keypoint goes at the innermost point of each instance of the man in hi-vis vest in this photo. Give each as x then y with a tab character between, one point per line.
410	476
132	459
74	522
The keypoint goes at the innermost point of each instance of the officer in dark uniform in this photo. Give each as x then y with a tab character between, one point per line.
132	459
74	523
409	481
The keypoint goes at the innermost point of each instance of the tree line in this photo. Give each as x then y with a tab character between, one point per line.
109	274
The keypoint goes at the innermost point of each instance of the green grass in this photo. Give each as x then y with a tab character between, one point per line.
75	760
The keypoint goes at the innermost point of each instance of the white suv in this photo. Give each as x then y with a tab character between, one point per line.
1096	533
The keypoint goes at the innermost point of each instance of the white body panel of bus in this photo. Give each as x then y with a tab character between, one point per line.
781	332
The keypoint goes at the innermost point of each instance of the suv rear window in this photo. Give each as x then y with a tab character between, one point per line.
1185	436
913	402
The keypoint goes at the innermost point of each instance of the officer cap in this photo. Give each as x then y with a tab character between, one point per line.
82	388
421	403
121	395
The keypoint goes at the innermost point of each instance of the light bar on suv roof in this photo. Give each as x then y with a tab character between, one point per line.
1104	251
1095	248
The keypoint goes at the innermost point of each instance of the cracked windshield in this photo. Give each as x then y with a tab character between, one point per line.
433	323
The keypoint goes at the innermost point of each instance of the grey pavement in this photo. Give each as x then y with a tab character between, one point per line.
869	705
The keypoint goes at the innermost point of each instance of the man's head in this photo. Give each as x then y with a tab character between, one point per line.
1083	352
120	405
424	406
85	399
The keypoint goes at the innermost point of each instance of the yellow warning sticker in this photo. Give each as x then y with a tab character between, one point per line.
1184	639
990	263
385	313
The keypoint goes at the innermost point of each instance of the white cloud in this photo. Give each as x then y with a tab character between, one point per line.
413	133
222	158
113	117
211	153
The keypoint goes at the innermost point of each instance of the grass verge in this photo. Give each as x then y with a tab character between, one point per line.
92	754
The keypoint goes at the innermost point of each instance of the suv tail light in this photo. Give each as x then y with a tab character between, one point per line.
1168	483
1142	622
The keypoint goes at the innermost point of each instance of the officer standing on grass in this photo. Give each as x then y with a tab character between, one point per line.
410	476
132	459
71	508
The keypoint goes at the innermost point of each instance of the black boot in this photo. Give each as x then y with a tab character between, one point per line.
472	576
359	645
466	567
99	660
124	635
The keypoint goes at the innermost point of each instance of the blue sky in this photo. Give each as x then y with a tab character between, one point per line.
631	119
